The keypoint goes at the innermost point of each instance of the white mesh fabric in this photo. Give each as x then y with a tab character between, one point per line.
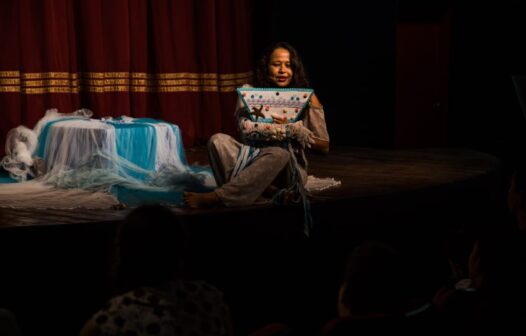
73	143
320	183
21	142
167	145
82	165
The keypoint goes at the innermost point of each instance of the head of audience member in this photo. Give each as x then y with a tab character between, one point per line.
148	248
281	66
375	282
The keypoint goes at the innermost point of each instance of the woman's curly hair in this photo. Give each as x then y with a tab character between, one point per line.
299	77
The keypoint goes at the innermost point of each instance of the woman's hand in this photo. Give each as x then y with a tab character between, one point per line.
277	119
303	135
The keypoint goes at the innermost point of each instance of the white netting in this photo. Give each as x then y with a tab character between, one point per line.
54	114
320	183
82	164
72	143
21	142
167	142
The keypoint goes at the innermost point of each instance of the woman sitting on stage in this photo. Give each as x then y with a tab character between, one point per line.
274	169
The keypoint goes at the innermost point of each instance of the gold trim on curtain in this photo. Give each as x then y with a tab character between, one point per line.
100	82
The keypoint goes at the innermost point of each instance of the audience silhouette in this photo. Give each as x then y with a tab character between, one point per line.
154	295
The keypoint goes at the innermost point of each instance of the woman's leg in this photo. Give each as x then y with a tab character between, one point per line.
222	153
251	182
246	187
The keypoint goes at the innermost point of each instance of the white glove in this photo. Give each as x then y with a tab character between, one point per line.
302	134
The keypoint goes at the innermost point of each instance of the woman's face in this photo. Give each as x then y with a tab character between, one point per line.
279	67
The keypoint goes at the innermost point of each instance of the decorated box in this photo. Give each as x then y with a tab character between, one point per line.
261	104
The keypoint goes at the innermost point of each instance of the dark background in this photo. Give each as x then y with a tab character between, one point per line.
406	74
348	51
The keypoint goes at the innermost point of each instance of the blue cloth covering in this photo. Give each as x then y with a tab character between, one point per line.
42	137
176	130
136	197
134	178
136	143
4	177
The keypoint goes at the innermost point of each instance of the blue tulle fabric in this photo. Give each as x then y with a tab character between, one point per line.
137	160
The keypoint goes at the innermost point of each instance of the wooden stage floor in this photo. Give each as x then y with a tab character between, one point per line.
411	198
366	174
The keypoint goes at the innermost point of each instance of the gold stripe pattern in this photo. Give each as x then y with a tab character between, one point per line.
101	82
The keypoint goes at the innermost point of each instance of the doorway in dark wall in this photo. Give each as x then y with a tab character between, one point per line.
349	54
423	37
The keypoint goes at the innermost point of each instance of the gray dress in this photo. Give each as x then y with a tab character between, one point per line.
270	166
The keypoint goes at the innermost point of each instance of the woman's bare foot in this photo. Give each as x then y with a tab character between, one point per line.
200	200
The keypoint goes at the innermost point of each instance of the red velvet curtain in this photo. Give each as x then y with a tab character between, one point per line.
175	60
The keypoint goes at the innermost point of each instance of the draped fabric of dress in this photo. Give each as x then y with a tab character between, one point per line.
179	61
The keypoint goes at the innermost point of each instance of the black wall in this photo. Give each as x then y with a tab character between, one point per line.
488	47
349	53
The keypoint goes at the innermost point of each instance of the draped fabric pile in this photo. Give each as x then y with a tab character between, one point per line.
80	162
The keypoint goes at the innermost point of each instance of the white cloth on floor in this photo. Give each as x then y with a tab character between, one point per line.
321	183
